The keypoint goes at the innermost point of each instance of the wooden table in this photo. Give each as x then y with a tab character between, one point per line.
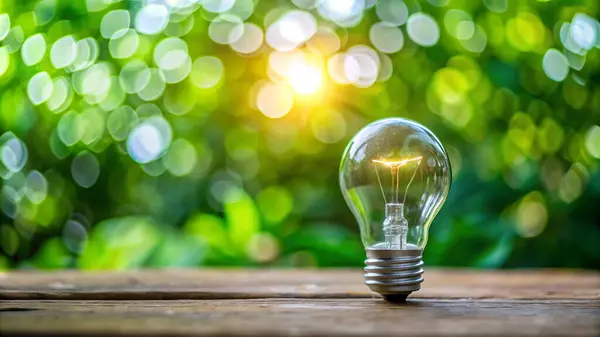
297	302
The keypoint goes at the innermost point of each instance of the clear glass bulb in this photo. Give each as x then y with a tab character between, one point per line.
395	176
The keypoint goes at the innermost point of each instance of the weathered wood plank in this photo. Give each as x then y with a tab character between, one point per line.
172	284
303	317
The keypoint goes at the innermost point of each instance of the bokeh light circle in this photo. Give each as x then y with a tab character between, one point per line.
63	52
4	25
306	4
88	51
155	87
134	76
386	37
459	24
282	62
341	11
291	30
37	187
121	121
33	49
274	100
393	12
207	72
113	22
13	154
335	68
123	43
4	60
555	65
218	6
181	159
584	31
149	140
69	128
361	66
39	88
61	96
226	29
324	42
250	41
96	82
85	169
423	29
152	19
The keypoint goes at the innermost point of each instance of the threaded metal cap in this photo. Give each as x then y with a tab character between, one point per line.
394	273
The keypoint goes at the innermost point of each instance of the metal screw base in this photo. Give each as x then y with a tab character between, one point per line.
394	273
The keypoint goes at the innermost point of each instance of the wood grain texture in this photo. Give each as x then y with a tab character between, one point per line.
297	302
284	283
303	317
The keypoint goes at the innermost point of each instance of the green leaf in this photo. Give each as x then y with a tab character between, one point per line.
52	255
177	250
9	240
120	243
275	204
242	218
208	230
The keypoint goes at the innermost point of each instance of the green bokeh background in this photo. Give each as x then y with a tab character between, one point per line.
524	148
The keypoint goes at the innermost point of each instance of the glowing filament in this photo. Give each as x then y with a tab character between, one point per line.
395	169
395	225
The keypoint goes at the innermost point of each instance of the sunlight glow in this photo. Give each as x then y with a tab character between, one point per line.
305	79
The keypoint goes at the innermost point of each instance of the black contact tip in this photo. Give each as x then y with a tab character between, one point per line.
395	298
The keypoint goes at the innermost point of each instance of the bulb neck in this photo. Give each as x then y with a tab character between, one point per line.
394	273
394	209
395	226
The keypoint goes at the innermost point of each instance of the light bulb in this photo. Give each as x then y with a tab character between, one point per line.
395	176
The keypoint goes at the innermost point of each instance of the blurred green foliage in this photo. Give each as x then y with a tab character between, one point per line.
144	138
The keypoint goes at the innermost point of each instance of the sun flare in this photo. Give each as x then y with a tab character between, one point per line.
305	79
